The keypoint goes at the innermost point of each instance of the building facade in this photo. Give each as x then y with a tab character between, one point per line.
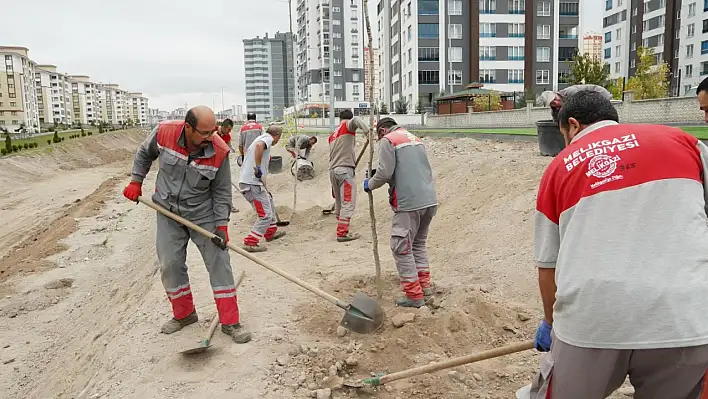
693	52
270	84
371	71
592	45
655	24
435	47
18	100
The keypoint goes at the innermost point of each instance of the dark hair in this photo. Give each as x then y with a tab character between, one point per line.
346	115
313	137
587	107
227	122
703	86
251	117
386	123
191	119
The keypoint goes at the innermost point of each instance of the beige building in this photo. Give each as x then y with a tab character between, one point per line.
84	100
18	101
53	96
369	72
592	45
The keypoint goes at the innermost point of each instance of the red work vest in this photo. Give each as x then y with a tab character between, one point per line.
168	134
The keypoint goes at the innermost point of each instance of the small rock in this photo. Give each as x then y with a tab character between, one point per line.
283	360
388	388
61	283
12	315
509	328
522	317
278	337
304	348
332	370
341	331
484	288
403	344
278	370
338	365
312	386
302	379
312	352
313	394
294	351
333	382
401	319
352	361
8	361
456	375
325	393
626	391
477	377
6	346
424	312
330	330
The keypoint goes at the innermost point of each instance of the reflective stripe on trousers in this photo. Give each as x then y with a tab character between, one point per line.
409	235
263	204
343	180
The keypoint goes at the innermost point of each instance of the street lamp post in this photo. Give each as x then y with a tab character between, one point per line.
331	69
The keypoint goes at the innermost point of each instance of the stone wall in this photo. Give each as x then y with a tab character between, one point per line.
663	110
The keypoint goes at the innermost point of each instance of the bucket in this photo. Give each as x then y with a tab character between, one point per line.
550	139
276	164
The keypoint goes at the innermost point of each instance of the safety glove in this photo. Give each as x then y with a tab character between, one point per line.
257	172
133	190
543	340
222	237
366	186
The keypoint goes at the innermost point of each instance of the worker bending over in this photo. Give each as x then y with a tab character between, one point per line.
253	174
300	146
193	181
342	176
249	132
224	132
620	246
403	164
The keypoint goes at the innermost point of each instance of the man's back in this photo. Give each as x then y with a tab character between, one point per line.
622	214
249	132
342	144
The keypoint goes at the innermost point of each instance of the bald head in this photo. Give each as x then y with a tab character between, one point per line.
275	131
200	124
201	114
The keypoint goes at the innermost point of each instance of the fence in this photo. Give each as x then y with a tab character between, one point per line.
403	119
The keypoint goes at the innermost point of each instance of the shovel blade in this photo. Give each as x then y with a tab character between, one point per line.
203	346
364	314
283	223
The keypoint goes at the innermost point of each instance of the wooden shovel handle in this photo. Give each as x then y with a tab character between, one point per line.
361	153
215	322
475	357
245	254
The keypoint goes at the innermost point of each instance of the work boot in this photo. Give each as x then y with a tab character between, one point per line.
427	292
237	333
175	325
253	248
278	234
409	303
349	237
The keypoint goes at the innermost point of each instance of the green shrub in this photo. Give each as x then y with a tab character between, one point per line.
3	151
56	138
26	146
14	148
49	142
82	133
62	139
100	128
89	133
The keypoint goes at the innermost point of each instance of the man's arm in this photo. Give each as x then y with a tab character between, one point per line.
221	196
386	167
546	243
547	284
260	149
291	145
241	142
359	123
146	155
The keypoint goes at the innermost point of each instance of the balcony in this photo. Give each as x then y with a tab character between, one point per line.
517	34
517	12
487	57
487	34
516	58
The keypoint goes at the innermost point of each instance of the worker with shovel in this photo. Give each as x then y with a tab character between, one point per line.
249	132
342	176
620	246
194	181
251	184
404	165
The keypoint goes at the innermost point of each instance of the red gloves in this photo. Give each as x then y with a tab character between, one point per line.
222	237
133	190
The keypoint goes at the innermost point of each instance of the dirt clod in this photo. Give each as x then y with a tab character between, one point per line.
325	393
61	283
341	331
401	319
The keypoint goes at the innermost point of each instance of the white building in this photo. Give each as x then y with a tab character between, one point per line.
693	53
18	99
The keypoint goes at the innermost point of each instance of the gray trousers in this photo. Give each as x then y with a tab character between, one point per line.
570	372
409	237
263	204
171	245
343	180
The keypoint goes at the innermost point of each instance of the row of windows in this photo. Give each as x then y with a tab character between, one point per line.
455	76
432	31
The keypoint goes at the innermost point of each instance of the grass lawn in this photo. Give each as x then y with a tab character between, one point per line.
42	140
700	132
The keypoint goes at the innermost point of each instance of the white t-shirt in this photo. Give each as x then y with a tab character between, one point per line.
249	161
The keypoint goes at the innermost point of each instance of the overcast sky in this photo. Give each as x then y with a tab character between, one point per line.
173	51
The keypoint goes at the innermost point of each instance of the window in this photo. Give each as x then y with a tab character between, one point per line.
705	25
428	31
662	20
634	12
487	53
608	53
543	54
608	37
336	9
454	31
568	9
617	67
487	30
608	5
454	7
515	75
336	22
487	76
691	30
454	77
676	53
542	77
543	31
634	28
14	104
428	77
704	47
543	9
487	6
428	54
409	32
689	71
692	10
428	7
516	53
618	34
689	51
410	56
618	51
516	30
517	7
455	54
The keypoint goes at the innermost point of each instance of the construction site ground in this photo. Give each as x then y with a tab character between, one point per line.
81	301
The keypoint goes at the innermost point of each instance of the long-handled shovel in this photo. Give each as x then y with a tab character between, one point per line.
329	210
205	343
363	315
431	368
278	222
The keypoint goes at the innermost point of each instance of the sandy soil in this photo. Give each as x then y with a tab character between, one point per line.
82	301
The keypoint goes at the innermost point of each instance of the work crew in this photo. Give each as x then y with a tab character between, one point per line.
620	246
251	183
193	181
249	132
403	164
342	164
299	146
224	132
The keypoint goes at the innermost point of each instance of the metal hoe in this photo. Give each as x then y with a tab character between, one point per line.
363	315
329	210
205	343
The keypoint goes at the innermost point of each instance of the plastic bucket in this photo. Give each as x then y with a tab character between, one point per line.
276	164
550	139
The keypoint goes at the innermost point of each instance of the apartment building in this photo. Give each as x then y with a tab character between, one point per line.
435	47
592	45
371	71
18	101
53	95
693	52
655	24
137	109
315	51
270	79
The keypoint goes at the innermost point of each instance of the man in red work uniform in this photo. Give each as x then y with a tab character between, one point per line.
404	165
342	176
225	132
620	246
249	132
193	181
